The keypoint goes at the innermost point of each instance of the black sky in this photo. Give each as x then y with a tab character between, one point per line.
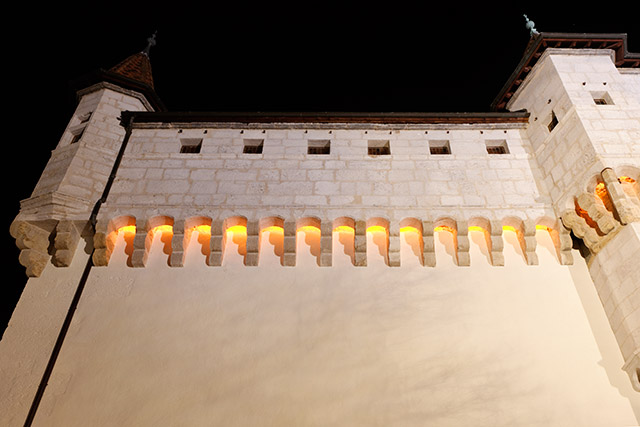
313	56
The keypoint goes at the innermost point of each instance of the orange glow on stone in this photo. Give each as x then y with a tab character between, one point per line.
623	178
376	229
476	228
508	228
202	229
309	228
237	229
344	229
273	229
162	229
445	228
127	229
543	227
409	230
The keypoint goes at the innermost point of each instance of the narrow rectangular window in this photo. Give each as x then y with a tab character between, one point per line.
319	146
77	136
253	146
379	148
439	147
497	146
553	122
190	145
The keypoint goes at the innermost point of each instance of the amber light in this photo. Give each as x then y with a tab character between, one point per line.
344	229
508	228
376	229
445	228
623	178
162	229
544	227
273	229
127	229
202	229
237	229
476	228
409	230
309	228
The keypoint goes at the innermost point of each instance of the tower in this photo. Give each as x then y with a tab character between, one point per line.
583	95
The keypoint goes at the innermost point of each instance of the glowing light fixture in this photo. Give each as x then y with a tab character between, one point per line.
476	228
309	228
623	178
509	228
543	227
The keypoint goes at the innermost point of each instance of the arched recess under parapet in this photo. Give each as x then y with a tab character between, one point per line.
445	230
377	240
271	240
412	241
479	229
120	234
159	234
198	228
308	235
343	241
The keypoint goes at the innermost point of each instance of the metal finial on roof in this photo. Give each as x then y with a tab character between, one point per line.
531	26
151	42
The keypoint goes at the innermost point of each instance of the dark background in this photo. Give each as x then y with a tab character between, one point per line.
311	56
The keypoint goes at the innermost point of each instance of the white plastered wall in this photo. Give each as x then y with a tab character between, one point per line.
270	345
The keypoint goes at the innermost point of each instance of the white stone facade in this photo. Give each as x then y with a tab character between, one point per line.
221	282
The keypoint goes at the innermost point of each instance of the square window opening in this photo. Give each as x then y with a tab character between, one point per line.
379	148
319	146
253	146
190	145
439	147
601	98
497	147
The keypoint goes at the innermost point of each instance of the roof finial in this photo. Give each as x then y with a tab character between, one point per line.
151	42
531	26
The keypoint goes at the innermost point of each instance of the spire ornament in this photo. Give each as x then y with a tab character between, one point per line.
531	26
151	42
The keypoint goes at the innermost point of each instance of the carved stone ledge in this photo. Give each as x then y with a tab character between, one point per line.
33	242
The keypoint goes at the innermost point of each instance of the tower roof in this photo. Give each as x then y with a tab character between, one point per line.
539	42
136	67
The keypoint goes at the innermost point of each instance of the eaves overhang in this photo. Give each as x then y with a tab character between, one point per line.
541	41
383	118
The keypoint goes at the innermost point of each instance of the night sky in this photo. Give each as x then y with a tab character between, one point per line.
273	57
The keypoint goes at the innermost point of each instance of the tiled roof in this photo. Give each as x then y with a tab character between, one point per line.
136	67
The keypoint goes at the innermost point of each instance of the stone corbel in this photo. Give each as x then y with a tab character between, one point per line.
360	243
529	242
178	243
326	244
33	242
497	243
65	243
253	244
289	244
217	243
462	244
394	244
627	211
428	245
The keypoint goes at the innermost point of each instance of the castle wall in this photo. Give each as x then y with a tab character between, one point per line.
155	178
271	345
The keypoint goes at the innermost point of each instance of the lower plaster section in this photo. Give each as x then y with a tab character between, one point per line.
310	346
